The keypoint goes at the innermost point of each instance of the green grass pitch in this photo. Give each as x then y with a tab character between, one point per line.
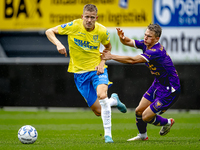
82	130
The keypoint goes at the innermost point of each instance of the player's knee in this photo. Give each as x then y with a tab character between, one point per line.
101	95
138	112
146	118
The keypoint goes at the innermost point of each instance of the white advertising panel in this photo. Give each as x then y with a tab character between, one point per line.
182	44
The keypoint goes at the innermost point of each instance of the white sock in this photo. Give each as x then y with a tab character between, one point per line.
143	135
107	131
113	101
169	122
106	116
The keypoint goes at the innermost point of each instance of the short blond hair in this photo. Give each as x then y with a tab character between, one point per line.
90	7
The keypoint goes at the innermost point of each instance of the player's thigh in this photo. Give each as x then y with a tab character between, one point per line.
148	115
144	103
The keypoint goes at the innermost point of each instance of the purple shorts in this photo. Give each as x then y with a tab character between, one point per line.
161	101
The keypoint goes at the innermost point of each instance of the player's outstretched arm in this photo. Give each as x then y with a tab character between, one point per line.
124	40
106	55
50	33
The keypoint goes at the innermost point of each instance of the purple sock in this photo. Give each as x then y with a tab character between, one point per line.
141	125
159	121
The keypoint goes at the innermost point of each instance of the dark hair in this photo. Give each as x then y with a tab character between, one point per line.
90	7
156	28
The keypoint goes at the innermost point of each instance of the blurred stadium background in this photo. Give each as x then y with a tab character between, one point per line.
33	73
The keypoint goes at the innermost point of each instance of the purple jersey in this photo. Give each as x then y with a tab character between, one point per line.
161	66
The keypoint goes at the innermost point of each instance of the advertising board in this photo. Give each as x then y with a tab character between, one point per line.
182	44
176	13
42	14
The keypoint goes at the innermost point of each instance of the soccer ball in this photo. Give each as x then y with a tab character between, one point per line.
27	134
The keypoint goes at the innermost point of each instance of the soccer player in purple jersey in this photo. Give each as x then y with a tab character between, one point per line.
165	89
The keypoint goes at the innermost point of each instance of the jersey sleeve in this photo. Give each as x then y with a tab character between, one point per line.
67	28
139	44
148	54
105	37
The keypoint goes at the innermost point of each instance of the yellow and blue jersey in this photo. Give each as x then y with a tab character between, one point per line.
83	45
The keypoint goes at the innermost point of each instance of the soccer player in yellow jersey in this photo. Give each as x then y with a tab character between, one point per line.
90	72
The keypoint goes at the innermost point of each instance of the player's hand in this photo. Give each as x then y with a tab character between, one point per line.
99	69
61	49
106	55
120	33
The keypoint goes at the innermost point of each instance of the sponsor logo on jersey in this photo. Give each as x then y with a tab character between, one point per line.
64	25
67	24
81	33
84	44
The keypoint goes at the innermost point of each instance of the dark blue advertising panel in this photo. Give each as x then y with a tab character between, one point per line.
173	13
